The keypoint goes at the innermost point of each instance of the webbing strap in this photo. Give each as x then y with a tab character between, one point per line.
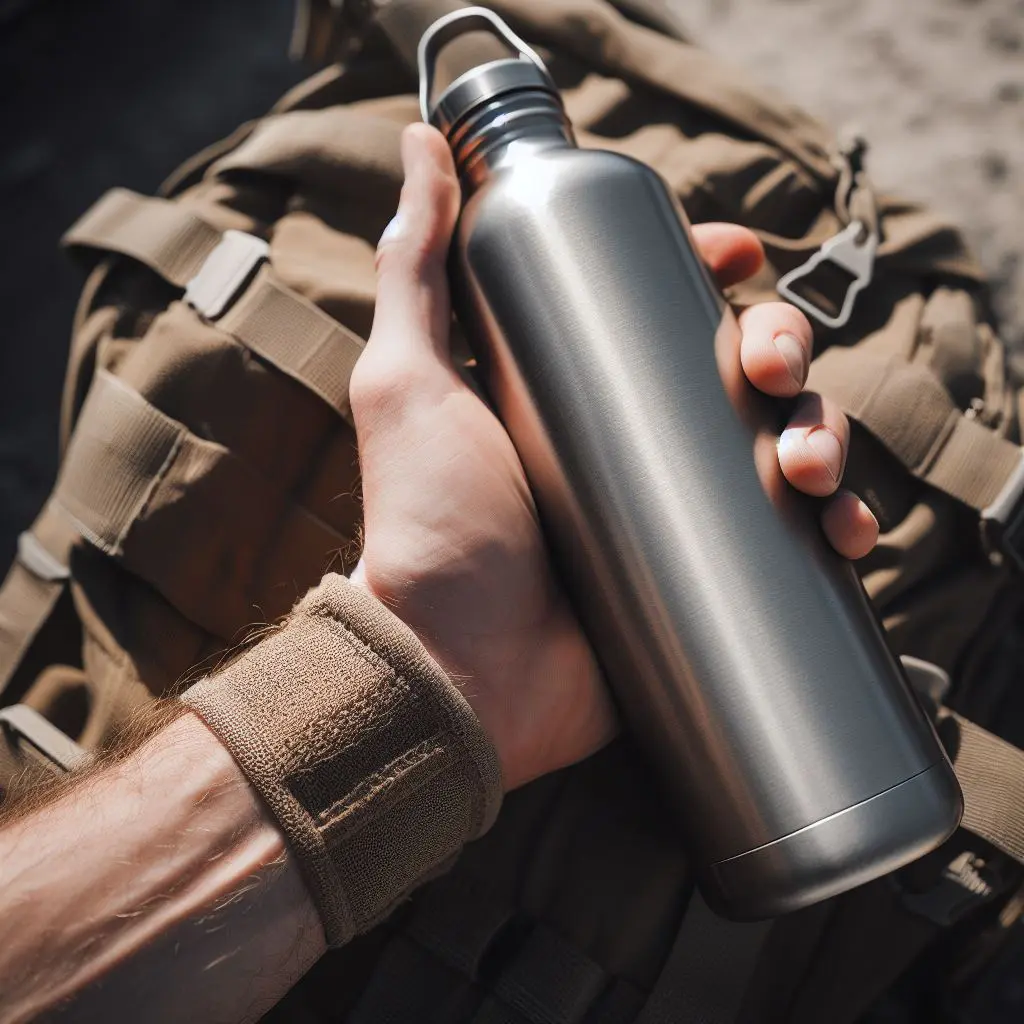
405	21
185	513
458	921
120	453
26	602
907	408
275	322
706	976
550	981
598	34
991	775
163	235
316	34
295	336
33	586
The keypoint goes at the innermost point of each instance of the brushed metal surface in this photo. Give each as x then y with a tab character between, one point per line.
839	852
742	651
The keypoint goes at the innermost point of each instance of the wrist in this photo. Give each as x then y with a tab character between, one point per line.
353	736
472	685
527	691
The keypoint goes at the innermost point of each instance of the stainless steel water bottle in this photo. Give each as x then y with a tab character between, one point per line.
741	650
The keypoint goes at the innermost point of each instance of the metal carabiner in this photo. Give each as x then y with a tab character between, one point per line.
855	257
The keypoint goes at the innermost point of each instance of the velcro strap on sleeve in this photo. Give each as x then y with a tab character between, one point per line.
162	234
370	758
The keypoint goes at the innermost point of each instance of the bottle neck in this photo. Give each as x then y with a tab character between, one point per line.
506	127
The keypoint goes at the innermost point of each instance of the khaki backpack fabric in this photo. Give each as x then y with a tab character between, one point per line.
210	478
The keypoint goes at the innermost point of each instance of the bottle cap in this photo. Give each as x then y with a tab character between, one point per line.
479	84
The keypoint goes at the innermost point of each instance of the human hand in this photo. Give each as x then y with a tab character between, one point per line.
453	544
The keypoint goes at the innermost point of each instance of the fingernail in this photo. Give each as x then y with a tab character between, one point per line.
793	352
828	447
392	231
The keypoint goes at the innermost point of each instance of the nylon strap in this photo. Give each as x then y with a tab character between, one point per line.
141	487
598	34
708	971
458	923
550	981
163	235
907	408
406	983
454	925
295	336
991	775
279	325
33	586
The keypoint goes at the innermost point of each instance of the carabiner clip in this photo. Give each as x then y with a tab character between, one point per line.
856	258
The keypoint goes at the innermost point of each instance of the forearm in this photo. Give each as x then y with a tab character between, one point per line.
160	889
335	767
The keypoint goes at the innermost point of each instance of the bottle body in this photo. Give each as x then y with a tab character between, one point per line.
742	652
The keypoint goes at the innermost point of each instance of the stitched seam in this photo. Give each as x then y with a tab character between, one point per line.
150	491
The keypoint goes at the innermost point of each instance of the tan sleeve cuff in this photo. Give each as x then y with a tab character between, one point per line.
372	761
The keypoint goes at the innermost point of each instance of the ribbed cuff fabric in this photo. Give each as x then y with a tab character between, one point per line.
372	761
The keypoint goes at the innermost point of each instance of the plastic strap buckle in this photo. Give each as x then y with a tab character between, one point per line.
23	725
1002	523
853	251
225	273
40	562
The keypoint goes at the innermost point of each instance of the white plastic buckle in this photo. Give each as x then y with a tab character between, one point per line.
19	723
225	272
857	258
34	557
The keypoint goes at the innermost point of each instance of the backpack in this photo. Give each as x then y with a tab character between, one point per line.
210	477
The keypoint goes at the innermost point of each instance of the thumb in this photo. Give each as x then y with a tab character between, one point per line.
413	310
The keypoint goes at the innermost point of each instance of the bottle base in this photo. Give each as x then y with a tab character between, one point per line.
840	852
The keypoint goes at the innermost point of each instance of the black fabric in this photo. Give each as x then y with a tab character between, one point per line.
708	971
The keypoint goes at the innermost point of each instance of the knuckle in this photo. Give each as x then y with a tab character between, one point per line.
378	387
410	258
395	256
